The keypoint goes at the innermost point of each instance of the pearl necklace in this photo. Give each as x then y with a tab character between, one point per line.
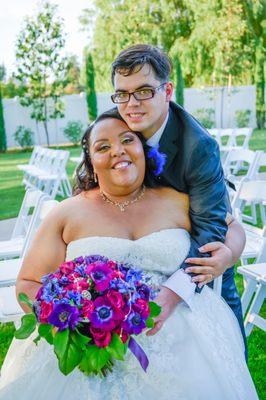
123	205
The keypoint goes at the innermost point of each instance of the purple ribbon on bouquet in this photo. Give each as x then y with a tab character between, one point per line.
139	353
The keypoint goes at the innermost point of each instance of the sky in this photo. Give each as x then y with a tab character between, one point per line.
12	13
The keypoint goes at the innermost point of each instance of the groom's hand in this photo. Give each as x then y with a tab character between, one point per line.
209	268
168	300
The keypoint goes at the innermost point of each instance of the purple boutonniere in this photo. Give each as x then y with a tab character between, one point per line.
158	159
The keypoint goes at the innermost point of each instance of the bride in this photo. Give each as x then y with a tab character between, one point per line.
118	212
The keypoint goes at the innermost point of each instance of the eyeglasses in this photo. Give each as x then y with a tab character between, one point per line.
141	94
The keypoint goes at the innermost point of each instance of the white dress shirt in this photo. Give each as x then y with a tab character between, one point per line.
179	282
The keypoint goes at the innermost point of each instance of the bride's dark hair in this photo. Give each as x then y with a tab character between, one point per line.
84	179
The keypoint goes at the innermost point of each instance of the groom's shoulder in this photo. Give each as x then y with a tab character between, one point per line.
188	129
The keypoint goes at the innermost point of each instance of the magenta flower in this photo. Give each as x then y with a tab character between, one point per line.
105	316
142	307
67	267
64	316
101	338
45	311
101	275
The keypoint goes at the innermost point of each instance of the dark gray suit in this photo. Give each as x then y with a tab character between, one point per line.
193	166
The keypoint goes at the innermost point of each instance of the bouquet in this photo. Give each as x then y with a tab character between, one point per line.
88	310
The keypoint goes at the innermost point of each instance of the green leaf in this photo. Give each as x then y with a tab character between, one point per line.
78	339
45	331
24	299
61	341
117	348
154	309
71	359
149	323
28	325
37	339
94	359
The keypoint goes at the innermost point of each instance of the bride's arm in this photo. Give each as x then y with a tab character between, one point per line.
45	254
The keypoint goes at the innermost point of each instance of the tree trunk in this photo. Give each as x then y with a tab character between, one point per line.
260	85
45	122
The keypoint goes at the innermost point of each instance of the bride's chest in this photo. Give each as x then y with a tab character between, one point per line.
160	251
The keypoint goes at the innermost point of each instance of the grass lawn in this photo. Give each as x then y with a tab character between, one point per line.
12	192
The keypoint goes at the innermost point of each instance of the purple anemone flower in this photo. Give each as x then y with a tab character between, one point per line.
144	292
134	324
64	316
101	275
105	316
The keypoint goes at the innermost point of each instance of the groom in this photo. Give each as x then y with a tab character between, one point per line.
140	75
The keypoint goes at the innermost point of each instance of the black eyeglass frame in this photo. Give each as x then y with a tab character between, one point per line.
152	89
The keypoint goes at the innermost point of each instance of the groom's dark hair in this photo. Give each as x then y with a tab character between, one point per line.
133	58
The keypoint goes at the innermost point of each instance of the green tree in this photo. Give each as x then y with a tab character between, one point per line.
90	88
118	24
179	91
41	65
72	76
255	13
2	122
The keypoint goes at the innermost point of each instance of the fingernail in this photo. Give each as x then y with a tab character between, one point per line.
194	280
201	248
187	260
200	285
187	270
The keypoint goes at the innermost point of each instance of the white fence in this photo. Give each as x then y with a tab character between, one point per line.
224	103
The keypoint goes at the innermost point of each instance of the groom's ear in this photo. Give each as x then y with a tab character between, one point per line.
169	91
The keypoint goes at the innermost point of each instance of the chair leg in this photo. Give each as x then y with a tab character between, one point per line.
247	295
255	308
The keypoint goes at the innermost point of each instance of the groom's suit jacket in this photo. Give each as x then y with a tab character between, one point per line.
193	166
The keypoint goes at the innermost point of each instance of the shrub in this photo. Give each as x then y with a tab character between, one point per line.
242	118
205	117
73	131
23	136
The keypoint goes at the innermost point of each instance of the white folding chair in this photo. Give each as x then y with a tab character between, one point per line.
9	269
234	160
243	135
251	192
13	247
255	275
48	172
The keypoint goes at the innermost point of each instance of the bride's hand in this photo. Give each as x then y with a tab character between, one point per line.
209	268
168	300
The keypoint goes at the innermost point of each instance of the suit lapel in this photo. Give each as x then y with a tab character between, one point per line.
169	141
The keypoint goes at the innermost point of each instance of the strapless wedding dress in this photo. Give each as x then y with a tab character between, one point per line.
197	355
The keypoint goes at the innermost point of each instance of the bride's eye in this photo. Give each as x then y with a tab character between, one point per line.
102	148
127	140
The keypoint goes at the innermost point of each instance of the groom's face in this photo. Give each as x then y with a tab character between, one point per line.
144	116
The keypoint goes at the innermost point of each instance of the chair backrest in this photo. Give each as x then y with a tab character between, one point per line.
249	192
26	212
244	134
240	155
44	206
10	309
260	163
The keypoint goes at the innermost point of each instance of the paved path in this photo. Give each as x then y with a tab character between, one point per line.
6	228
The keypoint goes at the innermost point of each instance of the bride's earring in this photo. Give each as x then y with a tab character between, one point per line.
95	177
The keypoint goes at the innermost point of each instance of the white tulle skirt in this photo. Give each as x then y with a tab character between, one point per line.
197	355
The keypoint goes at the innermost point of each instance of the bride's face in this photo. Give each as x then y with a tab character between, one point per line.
117	157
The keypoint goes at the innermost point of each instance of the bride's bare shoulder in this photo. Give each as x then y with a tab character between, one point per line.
179	199
71	206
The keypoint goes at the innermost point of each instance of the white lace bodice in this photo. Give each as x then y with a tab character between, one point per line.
161	251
